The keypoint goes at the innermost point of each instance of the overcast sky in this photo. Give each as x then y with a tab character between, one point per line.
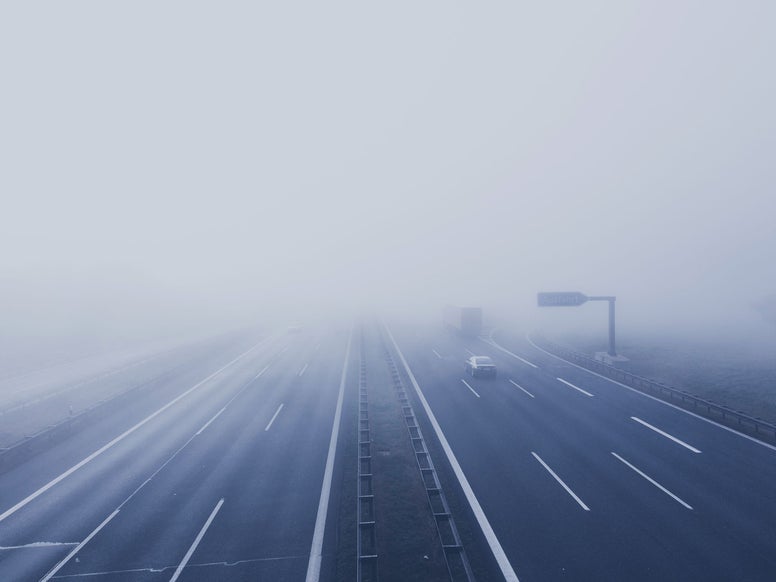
240	158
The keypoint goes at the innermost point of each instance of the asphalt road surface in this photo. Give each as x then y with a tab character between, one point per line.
583	479
224	472
216	475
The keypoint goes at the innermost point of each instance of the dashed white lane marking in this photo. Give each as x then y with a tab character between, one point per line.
521	388
651	480
436	353
562	484
665	434
490	341
259	375
274	416
316	548
232	399
198	539
207	424
658	400
470	388
570	385
487	530
302	370
121	437
77	549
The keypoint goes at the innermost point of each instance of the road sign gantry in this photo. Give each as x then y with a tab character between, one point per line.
574	299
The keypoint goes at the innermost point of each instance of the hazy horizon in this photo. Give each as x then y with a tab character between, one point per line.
192	165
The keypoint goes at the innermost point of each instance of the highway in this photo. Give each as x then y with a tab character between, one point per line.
231	468
583	479
215	475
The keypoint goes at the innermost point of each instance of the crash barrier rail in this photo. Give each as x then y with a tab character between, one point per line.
30	444
34	443
366	542
735	419
458	566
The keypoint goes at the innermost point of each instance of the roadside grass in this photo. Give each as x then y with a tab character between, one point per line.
741	377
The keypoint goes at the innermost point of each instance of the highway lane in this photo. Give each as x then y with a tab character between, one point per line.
237	466
269	476
105	424
84	495
633	529
58	396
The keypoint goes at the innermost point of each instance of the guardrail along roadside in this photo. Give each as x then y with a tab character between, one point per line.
737	420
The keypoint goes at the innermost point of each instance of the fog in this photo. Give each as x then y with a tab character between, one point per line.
188	165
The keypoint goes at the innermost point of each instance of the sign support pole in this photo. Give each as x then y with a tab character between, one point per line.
612	351
573	299
611	300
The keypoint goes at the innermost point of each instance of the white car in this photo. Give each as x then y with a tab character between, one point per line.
480	366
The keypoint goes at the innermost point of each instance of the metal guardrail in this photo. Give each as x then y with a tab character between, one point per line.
755	427
33	443
457	562
366	542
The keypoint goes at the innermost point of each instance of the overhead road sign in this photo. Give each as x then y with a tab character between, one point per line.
575	298
565	299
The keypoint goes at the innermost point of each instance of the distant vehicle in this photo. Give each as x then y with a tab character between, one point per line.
464	320
480	366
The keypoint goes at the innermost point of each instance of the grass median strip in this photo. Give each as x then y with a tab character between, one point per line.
479	514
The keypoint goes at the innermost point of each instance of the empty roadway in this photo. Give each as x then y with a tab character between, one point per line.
143	488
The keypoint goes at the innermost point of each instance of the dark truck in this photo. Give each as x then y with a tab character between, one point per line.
464	320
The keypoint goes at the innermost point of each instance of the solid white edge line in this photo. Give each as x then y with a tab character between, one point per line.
521	388
470	388
119	438
316	548
471	353
76	549
562	484
490	536
207	424
665	434
274	416
570	385
651	480
302	370
436	353
198	539
491	342
663	402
